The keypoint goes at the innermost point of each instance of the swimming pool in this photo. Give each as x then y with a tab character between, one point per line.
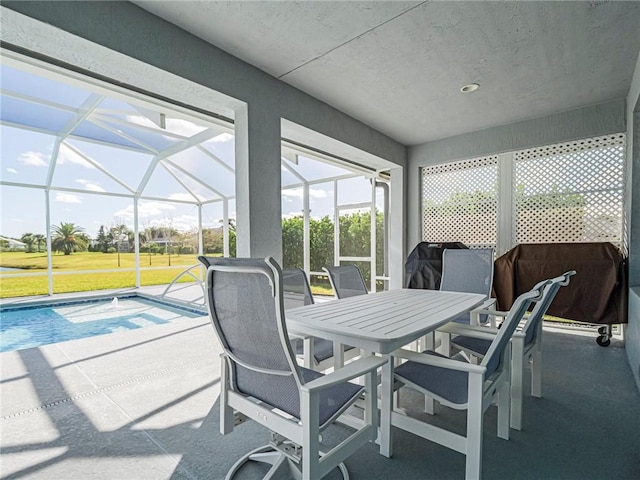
31	326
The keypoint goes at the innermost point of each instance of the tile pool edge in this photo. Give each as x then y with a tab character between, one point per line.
51	302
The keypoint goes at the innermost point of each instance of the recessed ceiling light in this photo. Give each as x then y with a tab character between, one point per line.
472	87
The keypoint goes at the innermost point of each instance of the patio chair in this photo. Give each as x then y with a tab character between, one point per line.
261	379
346	281
464	386
469	271
320	352
526	345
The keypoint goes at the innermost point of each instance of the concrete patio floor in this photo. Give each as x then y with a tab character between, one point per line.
143	404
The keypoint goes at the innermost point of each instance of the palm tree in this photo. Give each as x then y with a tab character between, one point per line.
28	239
68	238
39	240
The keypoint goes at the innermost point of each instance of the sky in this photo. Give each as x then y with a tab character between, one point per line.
111	150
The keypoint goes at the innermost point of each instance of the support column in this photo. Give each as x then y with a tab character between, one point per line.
397	229
258	183
136	236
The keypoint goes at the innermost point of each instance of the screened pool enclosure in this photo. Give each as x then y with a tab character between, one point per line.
97	179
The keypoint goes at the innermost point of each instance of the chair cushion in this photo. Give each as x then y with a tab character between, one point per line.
333	399
465	319
282	391
452	385
476	345
322	349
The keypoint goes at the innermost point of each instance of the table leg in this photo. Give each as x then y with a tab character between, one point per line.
386	447
308	352
338	355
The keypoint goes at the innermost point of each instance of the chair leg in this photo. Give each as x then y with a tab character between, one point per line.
338	355
445	344
309	408
504	404
517	373
428	342
536	374
429	404
226	412
308	347
473	466
517	381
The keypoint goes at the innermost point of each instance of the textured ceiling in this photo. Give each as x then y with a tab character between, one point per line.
398	66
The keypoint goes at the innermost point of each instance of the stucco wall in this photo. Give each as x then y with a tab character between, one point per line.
633	191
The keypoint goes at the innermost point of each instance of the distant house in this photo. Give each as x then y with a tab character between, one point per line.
12	244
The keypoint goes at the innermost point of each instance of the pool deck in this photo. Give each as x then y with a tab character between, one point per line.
143	404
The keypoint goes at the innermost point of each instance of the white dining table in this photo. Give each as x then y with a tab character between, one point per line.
381	323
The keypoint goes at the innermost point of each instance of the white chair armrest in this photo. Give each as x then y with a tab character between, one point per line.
352	370
462	329
485	306
439	361
487	311
485	333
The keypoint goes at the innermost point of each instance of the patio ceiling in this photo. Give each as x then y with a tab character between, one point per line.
399	66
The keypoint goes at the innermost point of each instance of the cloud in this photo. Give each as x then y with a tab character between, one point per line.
183	127
292	192
223	137
66	155
141	120
291	215
89	185
185	223
67	198
297	193
181	196
159	214
146	210
12	170
33	159
174	125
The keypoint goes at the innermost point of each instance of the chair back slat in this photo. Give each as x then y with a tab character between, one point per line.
469	271
494	358
346	281
295	288
530	328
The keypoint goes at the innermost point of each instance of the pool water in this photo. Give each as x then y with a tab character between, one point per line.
26	327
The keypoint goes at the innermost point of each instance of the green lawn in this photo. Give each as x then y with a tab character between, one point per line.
12	286
34	262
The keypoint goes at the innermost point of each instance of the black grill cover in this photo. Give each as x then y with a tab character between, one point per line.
423	269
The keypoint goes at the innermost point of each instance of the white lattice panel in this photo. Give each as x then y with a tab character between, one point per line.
460	202
570	192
